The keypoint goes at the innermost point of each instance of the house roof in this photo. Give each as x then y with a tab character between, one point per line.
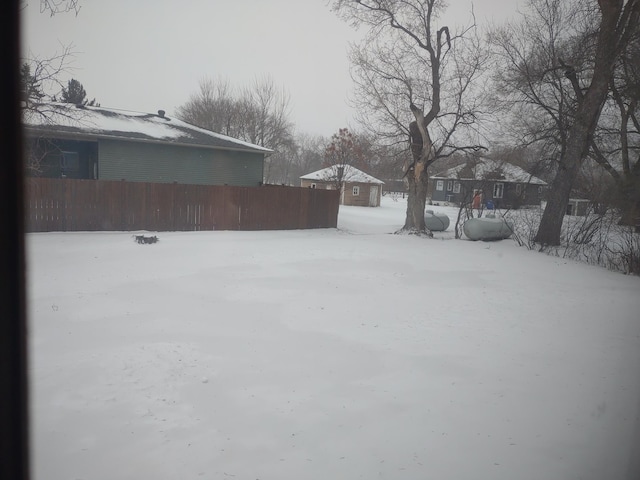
490	170
351	174
65	120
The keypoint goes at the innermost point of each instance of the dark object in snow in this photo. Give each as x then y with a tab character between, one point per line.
141	239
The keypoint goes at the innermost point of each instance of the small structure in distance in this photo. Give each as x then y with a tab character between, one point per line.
357	188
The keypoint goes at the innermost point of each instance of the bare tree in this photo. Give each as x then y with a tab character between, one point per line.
343	152
40	75
259	114
213	107
264	113
54	7
383	160
37	76
555	66
415	80
307	156
618	21
265	109
616	145
538	103
59	6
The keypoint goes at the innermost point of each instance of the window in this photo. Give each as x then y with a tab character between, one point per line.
449	185
69	164
440	185
313	185
518	189
456	187
356	191
498	189
70	161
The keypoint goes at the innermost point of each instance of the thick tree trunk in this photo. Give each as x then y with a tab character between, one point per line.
631	216
416	200
418	177
557	200
574	155
586	117
631	200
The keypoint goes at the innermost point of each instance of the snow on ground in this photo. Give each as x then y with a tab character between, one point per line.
328	354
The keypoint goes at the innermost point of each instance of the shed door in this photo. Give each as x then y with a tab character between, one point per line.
569	209
373	196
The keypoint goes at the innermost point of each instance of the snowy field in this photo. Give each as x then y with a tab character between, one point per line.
328	354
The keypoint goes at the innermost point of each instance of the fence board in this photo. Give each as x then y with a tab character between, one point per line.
55	204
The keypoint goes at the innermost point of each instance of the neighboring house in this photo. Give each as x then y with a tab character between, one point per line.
579	207
504	184
70	141
358	189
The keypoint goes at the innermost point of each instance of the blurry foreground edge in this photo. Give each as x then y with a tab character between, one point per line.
14	405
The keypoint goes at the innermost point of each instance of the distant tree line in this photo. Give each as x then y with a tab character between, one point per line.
556	90
259	114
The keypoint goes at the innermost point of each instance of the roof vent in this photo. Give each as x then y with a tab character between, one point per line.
161	113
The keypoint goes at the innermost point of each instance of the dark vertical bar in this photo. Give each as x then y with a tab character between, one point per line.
14	403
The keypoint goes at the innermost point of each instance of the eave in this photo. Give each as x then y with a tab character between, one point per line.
31	131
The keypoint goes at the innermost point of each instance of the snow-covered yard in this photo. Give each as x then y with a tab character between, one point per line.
328	354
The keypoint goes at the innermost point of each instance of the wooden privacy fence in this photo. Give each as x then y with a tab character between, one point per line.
93	205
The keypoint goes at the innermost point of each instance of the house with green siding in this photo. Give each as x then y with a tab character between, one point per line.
503	184
75	141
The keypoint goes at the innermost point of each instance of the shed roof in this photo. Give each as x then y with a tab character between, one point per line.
351	174
65	120
490	170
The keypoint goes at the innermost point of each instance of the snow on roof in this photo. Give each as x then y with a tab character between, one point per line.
351	174
491	169
60	119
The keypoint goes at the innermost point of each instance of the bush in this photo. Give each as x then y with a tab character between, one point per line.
596	239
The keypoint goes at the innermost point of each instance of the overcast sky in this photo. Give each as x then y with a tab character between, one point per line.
145	55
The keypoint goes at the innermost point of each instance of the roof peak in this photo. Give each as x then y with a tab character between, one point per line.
485	168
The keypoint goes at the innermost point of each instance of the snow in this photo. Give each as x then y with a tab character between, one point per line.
486	167
338	353
101	120
350	174
227	138
92	119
